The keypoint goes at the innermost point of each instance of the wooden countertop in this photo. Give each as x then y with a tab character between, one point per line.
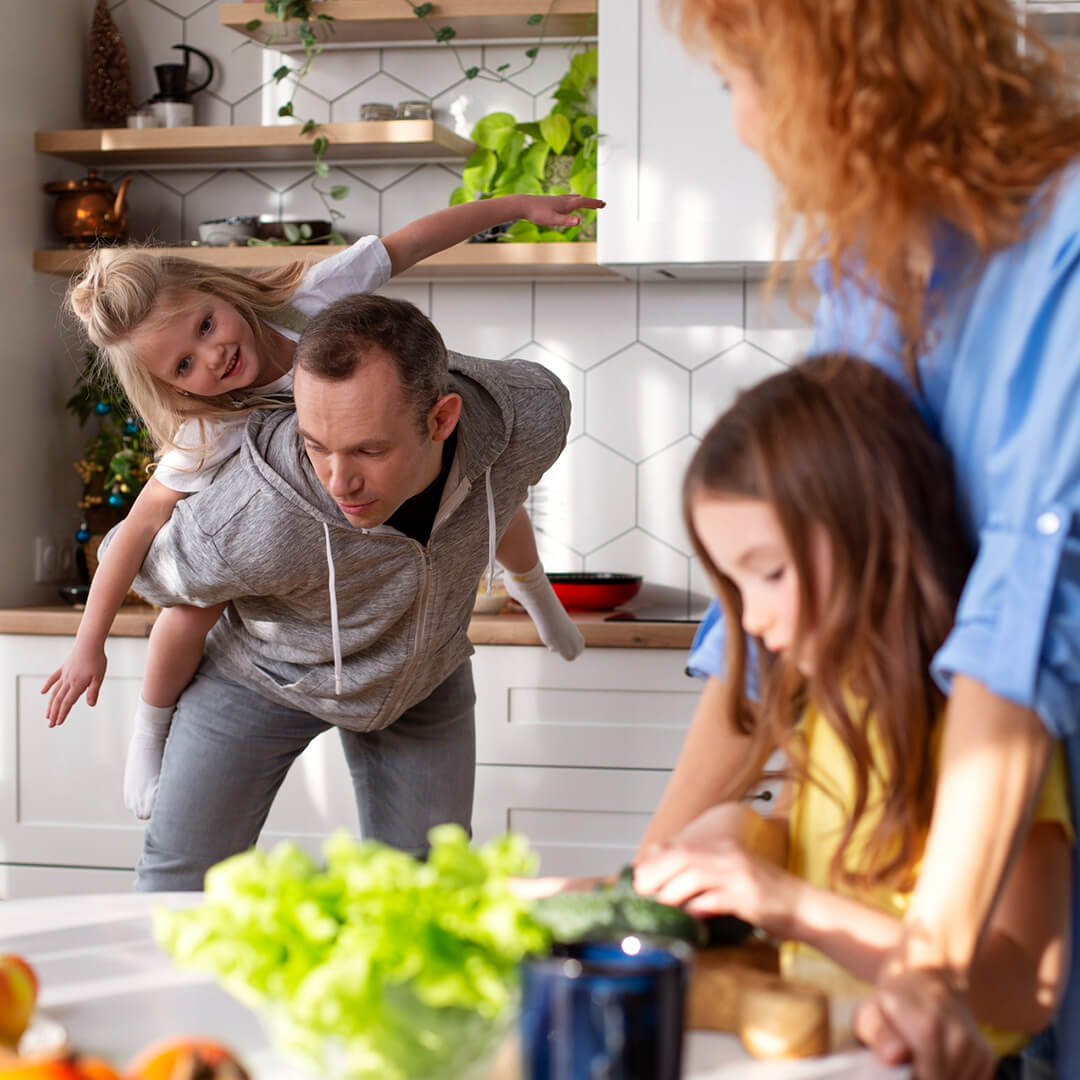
505	629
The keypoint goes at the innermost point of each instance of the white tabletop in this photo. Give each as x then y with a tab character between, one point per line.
114	991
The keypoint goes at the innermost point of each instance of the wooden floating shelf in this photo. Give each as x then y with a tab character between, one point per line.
493	261
377	21
276	144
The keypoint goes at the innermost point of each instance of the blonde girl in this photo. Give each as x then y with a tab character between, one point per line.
823	511
927	154
195	349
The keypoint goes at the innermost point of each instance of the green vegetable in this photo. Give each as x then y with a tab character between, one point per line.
376	966
612	910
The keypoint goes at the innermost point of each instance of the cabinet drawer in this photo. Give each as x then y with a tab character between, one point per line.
20	882
610	708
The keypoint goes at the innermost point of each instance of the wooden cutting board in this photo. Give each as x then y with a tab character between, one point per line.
738	989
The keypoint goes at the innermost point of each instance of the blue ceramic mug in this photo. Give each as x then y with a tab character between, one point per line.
605	1010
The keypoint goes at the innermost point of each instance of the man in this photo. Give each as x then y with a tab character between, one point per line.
350	536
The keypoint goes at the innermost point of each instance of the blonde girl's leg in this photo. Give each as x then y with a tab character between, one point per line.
174	651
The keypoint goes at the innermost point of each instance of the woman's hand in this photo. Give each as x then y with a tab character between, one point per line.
722	878
916	1016
555	211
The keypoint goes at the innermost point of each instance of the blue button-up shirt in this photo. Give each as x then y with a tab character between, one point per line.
1000	385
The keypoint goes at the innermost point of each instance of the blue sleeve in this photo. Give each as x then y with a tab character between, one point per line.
706	659
1014	426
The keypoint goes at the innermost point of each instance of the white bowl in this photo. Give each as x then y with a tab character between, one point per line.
223	231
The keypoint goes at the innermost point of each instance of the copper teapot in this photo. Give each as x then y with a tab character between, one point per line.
88	211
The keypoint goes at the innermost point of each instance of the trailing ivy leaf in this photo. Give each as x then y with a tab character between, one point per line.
423	10
252	25
309	125
339	191
534	160
522	232
556	131
530	128
322	169
472	72
458	196
291	231
535	20
281	72
336	213
559	189
502	67
445	34
569	95
512	149
584	183
572	232
531	53
584	127
550	236
318	147
286	109
493	130
478	173
325	18
305	231
522	184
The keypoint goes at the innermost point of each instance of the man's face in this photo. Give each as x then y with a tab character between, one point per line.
363	439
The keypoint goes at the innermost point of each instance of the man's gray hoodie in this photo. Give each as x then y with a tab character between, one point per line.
355	626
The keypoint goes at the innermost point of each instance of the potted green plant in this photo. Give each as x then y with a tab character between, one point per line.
555	155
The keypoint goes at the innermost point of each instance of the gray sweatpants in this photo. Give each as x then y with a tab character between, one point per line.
229	750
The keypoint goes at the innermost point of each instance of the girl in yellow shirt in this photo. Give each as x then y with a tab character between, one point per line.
824	512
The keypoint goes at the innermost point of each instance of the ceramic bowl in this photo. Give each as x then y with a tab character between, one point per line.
220	232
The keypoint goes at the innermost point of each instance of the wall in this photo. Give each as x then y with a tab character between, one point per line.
41	79
648	365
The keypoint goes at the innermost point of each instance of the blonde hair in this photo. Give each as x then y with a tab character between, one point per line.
886	118
120	289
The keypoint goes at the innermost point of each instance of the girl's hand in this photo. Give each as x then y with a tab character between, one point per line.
536	888
83	671
557	210
722	878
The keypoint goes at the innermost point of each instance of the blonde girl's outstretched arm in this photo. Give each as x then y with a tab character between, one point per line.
84	669
438	231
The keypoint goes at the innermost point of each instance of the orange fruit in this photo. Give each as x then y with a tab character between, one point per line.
54	1068
185	1056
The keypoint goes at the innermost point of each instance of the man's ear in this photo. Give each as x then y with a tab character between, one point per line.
444	417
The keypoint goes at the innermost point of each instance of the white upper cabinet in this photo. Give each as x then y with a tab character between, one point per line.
685	197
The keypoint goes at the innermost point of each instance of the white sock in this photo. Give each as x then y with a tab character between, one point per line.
534	593
143	765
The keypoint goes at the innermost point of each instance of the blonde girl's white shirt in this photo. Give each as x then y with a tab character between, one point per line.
202	446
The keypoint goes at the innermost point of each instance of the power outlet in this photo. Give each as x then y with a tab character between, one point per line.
54	560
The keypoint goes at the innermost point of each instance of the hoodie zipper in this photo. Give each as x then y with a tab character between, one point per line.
421	628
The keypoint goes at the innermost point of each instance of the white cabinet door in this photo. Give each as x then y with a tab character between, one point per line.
681	189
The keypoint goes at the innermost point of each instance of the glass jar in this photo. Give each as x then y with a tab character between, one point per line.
414	110
377	110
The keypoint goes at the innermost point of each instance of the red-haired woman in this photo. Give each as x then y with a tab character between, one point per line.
928	149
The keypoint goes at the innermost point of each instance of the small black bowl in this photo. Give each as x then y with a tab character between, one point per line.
74	594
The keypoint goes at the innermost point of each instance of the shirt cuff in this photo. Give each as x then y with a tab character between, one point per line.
1012	633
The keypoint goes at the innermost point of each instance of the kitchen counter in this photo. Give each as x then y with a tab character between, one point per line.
505	629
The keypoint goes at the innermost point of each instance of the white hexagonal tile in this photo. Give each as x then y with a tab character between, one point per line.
637	553
570	375
701	590
360	206
775	326
155	211
430	70
239	67
228	193
637	402
586	323
588	496
489	322
460	107
261	106
556	557
690	322
381	177
182	7
423	191
716	384
535	77
414	292
211	110
379	87
659	490
148	32
184	180
336	71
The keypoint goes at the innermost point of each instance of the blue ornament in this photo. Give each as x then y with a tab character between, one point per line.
82	535
116	499
131	427
102	407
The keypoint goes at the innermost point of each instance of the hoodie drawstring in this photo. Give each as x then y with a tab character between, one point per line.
335	630
491	529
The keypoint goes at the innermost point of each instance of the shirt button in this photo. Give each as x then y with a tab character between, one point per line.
1048	523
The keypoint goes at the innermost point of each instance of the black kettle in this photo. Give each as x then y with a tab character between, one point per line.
173	78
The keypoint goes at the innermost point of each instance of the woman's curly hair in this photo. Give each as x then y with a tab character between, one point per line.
886	117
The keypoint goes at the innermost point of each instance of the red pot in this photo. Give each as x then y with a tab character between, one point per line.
594	591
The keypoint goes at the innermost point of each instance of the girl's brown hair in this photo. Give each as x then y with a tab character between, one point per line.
835	444
120	291
885	118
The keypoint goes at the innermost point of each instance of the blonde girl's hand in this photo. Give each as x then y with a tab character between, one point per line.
722	878
82	672
555	211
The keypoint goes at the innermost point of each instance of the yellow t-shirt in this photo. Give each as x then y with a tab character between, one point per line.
816	826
